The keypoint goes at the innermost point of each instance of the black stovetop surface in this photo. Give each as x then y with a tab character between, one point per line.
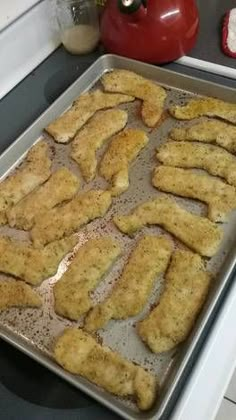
208	47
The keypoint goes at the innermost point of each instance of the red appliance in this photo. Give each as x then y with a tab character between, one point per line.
155	31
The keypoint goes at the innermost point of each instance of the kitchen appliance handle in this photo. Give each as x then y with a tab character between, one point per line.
131	6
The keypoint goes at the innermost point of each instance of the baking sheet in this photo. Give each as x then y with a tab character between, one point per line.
33	331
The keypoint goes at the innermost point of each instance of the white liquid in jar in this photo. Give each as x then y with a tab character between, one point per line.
80	39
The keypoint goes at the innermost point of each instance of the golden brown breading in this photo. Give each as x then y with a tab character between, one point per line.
207	106
149	259
197	232
91	262
15	293
220	197
213	159
61	186
123	149
32	265
154	96
68	218
64	128
3	218
79	353
187	285
210	131
152	113
34	171
98	130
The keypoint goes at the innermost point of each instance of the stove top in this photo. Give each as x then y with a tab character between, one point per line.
208	47
27	390
207	54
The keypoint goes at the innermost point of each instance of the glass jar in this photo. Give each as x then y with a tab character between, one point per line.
79	25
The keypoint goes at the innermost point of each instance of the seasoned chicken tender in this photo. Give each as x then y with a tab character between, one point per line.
186	288
130	294
213	159
68	218
91	262
198	233
207	106
210	131
61	186
80	354
15	293
64	128
152	113
98	130
32	265
130	83
220	197
34	171
123	149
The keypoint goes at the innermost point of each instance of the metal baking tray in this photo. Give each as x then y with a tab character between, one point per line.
34	331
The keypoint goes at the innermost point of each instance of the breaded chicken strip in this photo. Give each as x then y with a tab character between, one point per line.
34	171
68	218
187	285
79	353
197	232
32	265
126	81
123	149
130	294
210	131
90	264
98	130
64	128
213	159
220	197
15	293
208	106
61	186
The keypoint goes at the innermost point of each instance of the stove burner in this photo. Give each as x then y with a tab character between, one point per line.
34	383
